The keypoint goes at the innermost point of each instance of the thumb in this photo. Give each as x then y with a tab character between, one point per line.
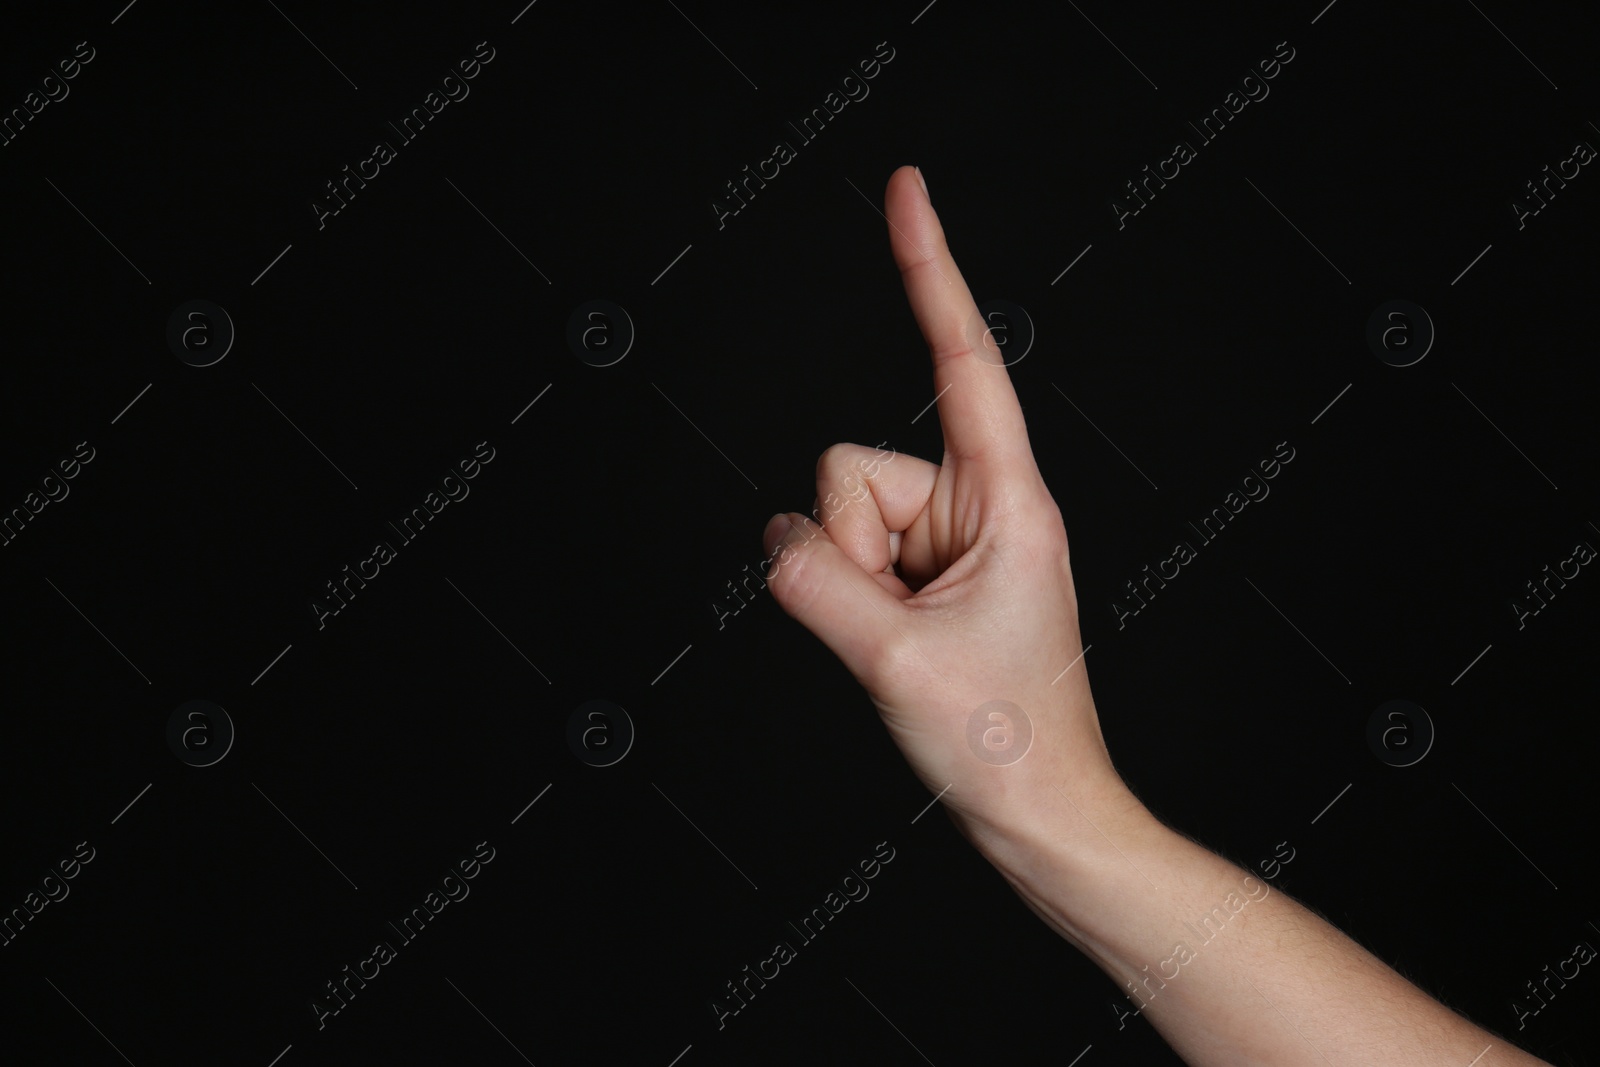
828	593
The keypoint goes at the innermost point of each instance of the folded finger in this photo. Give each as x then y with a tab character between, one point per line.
864	496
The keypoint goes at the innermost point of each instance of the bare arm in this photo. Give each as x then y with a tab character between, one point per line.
1229	970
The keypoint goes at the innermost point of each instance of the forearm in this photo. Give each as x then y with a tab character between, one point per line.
1227	969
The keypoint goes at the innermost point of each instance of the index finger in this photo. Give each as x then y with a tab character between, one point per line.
978	407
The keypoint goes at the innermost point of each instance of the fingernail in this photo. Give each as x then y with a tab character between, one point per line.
924	183
776	527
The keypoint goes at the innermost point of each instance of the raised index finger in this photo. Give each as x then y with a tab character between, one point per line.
978	408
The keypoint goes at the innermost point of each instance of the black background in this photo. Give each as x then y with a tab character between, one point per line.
589	557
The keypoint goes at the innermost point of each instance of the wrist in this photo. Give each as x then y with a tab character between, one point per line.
1075	843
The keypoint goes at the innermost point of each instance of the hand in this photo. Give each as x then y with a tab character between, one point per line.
945	587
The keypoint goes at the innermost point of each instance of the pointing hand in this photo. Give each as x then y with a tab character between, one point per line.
945	587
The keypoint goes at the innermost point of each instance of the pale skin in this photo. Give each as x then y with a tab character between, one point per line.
942	587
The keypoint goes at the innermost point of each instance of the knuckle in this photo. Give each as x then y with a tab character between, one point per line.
841	476
951	349
1053	525
1049	535
926	259
834	461
897	662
